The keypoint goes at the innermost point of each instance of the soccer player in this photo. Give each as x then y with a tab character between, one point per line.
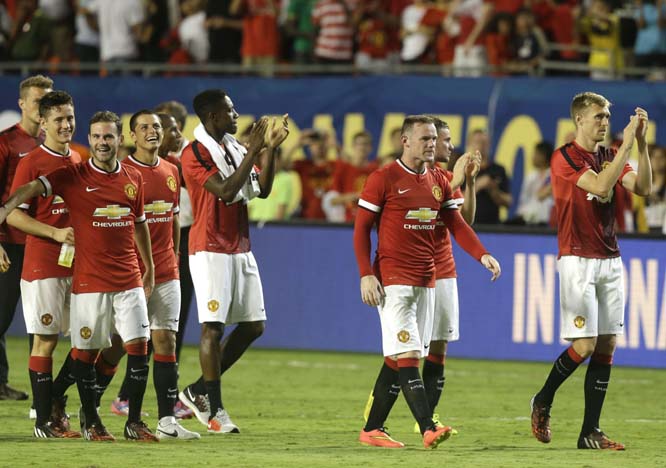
221	177
405	199
15	142
161	192
584	175
46	280
105	202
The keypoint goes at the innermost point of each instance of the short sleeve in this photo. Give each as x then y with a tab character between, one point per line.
567	166
139	215
448	200
56	182
200	167
24	175
373	195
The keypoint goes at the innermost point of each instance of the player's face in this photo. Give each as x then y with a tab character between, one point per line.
444	147
147	134
478	141
173	139
362	149
419	145
592	123
104	141
29	104
59	124
227	117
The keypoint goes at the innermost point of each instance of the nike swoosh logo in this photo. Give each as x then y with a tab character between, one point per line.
20	155
400	192
170	434
91	189
144	326
132	369
413	380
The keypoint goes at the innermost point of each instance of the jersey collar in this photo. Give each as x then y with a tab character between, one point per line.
411	171
97	169
142	164
55	153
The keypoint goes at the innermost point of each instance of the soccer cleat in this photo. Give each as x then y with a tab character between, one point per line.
139	431
9	393
368	406
438	423
378	438
597	440
180	411
169	429
540	421
221	423
48	431
96	432
435	436
199	404
121	408
59	417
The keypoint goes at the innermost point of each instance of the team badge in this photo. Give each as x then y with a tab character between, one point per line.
213	305
437	193
403	336
579	321
46	319
171	183
86	333
130	191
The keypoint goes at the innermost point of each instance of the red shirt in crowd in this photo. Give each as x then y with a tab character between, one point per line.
348	178
316	180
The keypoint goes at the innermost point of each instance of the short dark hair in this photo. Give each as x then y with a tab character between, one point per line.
439	123
54	99
164	118
362	134
106	116
137	114
545	148
412	120
207	101
174	108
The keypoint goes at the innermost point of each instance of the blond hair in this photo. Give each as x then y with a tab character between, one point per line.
36	81
582	101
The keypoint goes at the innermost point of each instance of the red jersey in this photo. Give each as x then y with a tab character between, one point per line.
103	207
409	204
218	226
15	143
348	178
161	189
41	254
585	222
316	180
445	264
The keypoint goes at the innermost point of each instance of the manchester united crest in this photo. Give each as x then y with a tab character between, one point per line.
46	319
171	183
85	333
130	191
403	336
579	321
437	193
213	305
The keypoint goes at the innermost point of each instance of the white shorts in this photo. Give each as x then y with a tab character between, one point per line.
446	326
164	306
228	287
406	317
591	297
46	305
95	316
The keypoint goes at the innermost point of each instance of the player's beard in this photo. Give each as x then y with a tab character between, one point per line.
106	157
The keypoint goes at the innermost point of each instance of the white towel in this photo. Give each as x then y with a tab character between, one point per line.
233	149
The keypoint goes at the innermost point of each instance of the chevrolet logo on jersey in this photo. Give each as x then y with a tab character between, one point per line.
424	215
158	207
112	211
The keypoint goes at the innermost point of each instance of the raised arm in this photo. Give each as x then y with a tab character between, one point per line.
640	182
274	138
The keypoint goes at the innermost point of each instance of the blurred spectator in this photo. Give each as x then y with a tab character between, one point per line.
300	28
493	187
155	28
86	41
601	29
650	46
122	26
61	16
536	195
224	32
29	39
415	36
341	201
498	42
467	24
436	19
260	31
316	173
528	45
284	198
334	24
372	36
655	203
5	31
192	32
396	147
556	19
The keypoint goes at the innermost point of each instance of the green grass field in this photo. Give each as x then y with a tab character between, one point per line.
304	409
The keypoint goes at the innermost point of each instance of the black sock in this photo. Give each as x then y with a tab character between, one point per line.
123	393
165	378
596	384
214	392
65	378
85	382
105	372
136	378
385	393
199	387
41	380
414	391
433	379
564	366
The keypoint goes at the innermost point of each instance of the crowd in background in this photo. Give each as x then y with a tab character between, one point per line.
473	36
